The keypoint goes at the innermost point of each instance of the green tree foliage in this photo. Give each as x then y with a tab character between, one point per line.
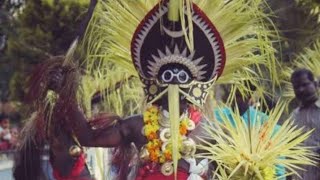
44	28
40	29
7	9
298	25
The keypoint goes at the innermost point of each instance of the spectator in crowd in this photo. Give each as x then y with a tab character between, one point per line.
14	131
244	105
5	135
307	115
10	109
1	107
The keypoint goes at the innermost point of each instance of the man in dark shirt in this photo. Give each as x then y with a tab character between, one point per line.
307	115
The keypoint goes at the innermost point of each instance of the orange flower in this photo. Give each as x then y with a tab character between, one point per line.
154	156
183	130
168	155
152	135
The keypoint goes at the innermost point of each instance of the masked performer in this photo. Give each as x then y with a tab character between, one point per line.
177	75
178	53
47	127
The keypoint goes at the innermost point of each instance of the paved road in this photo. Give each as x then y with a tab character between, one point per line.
6	170
6	174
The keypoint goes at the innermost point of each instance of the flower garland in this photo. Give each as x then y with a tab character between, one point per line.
159	151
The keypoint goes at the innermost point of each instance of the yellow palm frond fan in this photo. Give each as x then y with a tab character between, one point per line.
255	151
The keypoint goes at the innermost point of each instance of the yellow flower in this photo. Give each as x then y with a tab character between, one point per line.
153	144
153	110
162	159
149	117
150	146
151	131
185	121
156	142
151	128
155	124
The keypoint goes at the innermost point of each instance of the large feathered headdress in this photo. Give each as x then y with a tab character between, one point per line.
181	46
209	33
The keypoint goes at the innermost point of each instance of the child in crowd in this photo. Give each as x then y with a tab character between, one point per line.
5	135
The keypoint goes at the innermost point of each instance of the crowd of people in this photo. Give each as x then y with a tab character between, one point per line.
9	132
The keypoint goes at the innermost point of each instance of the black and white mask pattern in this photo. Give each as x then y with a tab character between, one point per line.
161	56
